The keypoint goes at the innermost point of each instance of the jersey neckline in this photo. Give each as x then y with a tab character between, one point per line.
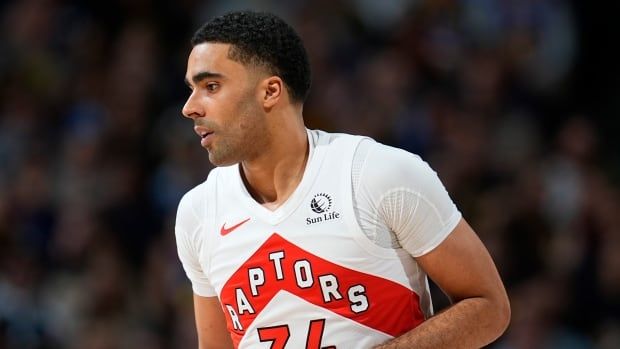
315	158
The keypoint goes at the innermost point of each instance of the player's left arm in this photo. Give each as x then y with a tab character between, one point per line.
462	267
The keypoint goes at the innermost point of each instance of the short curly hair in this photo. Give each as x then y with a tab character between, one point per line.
262	39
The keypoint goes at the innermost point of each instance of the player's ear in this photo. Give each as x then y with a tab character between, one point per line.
273	88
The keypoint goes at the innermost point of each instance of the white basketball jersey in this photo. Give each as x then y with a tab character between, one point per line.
305	275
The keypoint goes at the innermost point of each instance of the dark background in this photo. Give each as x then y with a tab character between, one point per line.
514	103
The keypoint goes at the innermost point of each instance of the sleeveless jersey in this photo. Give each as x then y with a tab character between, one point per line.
305	275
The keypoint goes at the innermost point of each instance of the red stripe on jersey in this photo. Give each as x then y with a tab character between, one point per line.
278	264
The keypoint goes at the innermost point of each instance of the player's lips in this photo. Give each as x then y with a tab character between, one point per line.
204	133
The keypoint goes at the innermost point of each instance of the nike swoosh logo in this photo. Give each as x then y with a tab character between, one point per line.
226	231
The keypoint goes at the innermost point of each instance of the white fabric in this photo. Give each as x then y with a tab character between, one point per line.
188	230
398	199
360	214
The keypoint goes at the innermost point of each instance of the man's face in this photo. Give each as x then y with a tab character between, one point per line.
224	104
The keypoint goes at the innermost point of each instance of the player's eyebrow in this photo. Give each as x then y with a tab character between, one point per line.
196	79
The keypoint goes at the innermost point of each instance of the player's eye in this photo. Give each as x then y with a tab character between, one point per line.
212	86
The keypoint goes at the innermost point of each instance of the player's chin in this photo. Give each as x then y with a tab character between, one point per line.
220	161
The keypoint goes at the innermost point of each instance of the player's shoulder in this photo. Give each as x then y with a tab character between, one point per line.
196	198
389	166
321	138
395	158
194	193
193	201
389	157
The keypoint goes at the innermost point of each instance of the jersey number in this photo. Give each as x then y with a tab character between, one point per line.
279	335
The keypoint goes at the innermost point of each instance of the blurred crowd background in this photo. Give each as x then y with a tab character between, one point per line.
515	103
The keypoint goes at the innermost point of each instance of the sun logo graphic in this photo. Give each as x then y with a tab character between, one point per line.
321	203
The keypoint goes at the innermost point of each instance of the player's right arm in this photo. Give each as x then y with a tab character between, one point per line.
189	233
411	200
210	324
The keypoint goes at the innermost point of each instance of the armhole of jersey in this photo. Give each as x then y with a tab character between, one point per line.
351	219
209	216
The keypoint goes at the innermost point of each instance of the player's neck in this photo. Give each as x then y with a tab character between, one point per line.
272	177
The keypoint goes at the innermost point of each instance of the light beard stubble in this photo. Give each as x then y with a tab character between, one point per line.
245	140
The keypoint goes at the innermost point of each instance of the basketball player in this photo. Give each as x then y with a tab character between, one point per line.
305	239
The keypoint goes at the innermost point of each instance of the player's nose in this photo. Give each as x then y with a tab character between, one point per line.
192	108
